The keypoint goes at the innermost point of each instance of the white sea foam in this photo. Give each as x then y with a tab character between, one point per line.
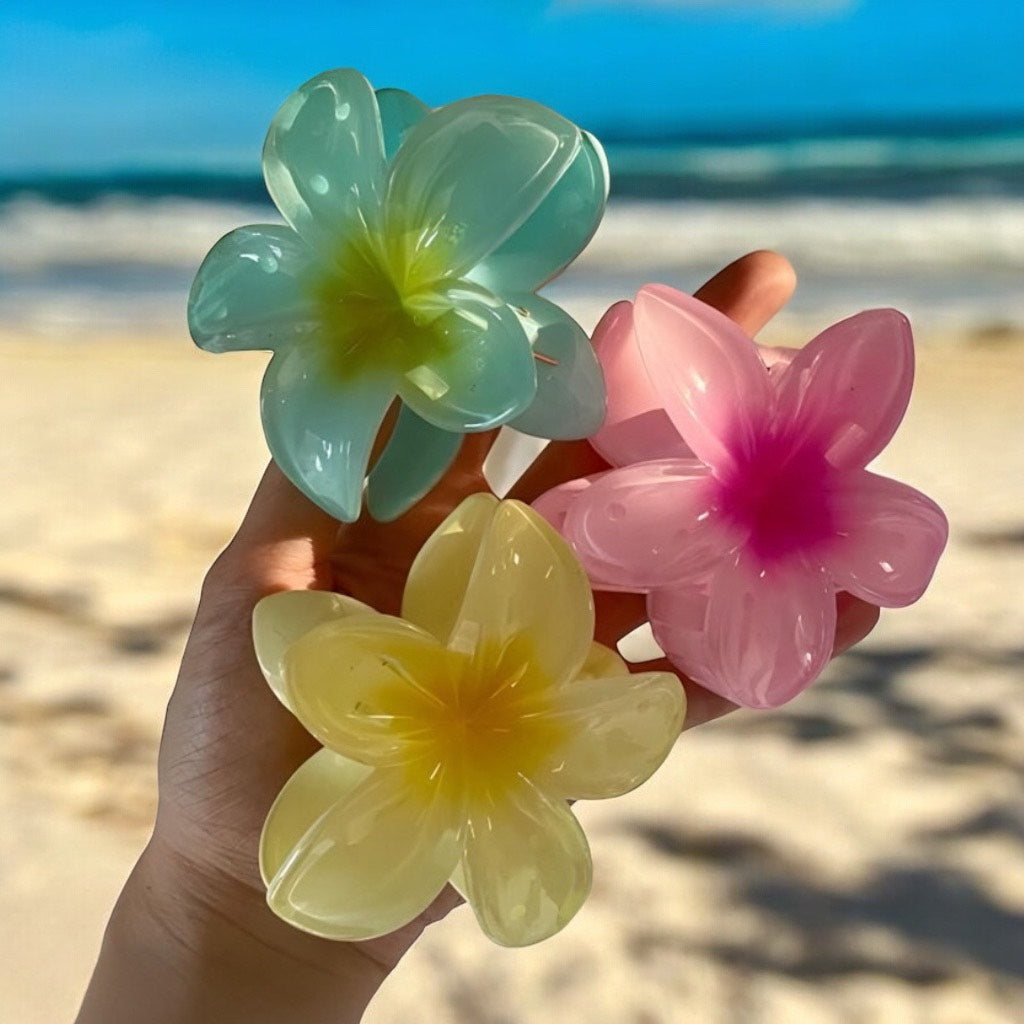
117	230
126	262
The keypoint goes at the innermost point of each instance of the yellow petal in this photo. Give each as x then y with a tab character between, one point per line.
317	785
371	863
527	590
440	572
526	867
280	619
620	731
602	663
364	686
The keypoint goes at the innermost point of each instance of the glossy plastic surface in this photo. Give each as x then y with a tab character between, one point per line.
415	240
454	736
740	503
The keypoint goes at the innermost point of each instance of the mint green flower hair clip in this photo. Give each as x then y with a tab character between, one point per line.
415	242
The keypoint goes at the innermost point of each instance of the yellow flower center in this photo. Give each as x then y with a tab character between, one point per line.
378	302
491	723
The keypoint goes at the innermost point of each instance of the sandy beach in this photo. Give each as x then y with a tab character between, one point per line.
857	856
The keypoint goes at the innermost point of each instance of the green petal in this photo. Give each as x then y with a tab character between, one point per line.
480	371
415	459
470	173
527	592
323	159
371	863
556	232
320	430
251	291
526	868
570	402
439	575
621	730
399	111
367	686
316	786
281	619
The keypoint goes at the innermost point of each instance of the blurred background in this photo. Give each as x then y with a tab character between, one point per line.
856	856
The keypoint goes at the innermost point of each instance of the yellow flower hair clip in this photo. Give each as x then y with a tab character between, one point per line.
454	737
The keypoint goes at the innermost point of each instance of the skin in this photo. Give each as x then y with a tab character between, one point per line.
191	938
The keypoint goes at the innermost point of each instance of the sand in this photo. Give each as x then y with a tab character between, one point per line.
855	857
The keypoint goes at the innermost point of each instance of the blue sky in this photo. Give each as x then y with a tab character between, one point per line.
93	85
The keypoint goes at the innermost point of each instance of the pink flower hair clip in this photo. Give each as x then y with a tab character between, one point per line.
739	501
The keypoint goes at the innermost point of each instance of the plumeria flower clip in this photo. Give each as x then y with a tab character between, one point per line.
454	737
740	503
414	245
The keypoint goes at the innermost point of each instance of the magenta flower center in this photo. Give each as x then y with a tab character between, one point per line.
779	496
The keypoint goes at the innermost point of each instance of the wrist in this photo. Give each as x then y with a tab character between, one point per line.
181	947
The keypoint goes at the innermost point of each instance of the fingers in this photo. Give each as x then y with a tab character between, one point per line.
854	620
751	290
560	461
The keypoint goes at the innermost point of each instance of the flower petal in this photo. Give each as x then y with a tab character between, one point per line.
399	111
281	619
706	371
371	863
891	540
647	526
414	460
482	373
251	291
323	159
316	786
636	427
570	398
847	390
439	575
526	867
470	173
363	686
621	729
320	430
767	631
526	588
602	663
556	232
554	506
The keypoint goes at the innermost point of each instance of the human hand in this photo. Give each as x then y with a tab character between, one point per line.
229	746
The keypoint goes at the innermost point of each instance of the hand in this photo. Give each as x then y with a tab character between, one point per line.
192	938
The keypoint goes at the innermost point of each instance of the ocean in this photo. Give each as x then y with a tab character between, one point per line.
930	222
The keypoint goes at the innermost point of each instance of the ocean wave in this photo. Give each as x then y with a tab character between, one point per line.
116	230
123	260
837	234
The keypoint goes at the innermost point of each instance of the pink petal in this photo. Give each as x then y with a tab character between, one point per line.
848	389
707	373
891	537
554	506
766	633
648	525
635	427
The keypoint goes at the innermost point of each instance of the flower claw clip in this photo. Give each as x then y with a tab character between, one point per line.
454	737
414	245
740	502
